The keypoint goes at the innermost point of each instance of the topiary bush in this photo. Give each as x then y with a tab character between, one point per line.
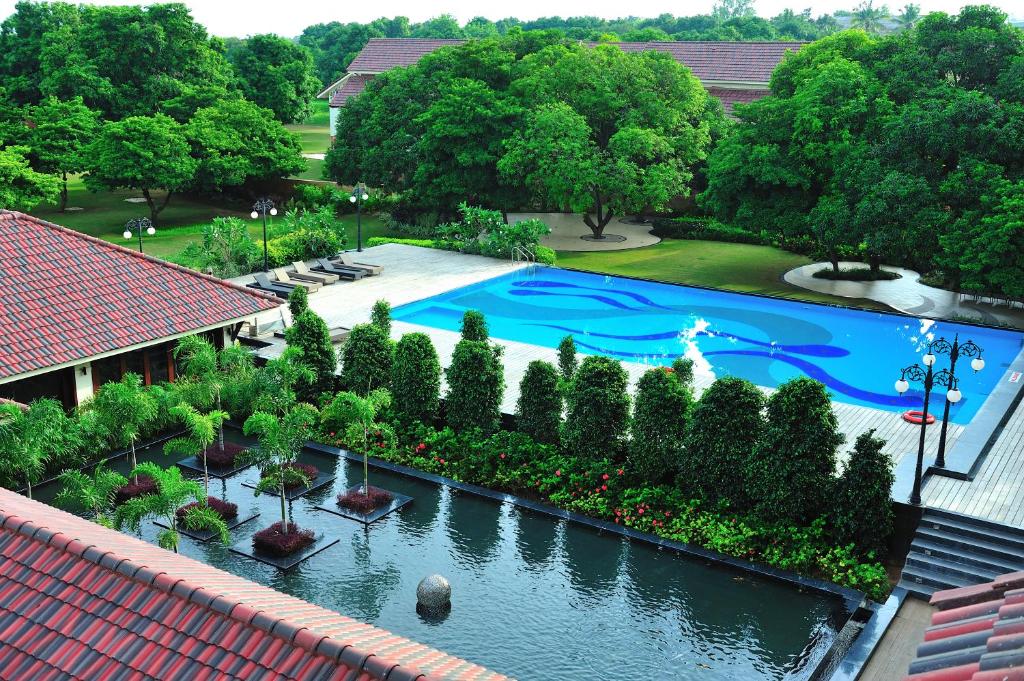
790	475
476	383
863	512
309	333
724	426
539	409
683	368
415	380
366	360
298	301
567	361
658	425
474	326
597	410
380	316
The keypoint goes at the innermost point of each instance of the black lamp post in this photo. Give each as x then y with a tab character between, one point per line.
262	207
358	196
925	376
954	350
139	225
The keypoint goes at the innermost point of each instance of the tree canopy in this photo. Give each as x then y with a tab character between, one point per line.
278	75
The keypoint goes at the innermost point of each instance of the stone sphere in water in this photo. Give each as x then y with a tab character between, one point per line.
434	593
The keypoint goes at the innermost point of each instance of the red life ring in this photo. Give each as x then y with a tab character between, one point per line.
914	416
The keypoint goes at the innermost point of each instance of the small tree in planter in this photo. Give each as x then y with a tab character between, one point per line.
298	301
124	407
539	409
273	386
366	359
863	512
361	434
172	492
416	380
34	437
201	431
598	410
309	333
280	440
567	362
476	382
474	326
380	316
94	493
658	425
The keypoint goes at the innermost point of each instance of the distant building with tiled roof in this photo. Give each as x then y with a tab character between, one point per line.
732	71
81	601
977	634
78	311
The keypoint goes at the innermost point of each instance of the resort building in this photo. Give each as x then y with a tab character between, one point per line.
79	311
734	72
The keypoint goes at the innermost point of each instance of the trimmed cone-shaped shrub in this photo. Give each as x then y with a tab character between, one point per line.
298	301
476	383
683	368
380	316
658	426
863	501
567	361
791	474
597	410
366	360
539	409
415	380
474	326
724	426
310	334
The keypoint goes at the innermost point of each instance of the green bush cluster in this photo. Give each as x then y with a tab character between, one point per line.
539	409
366	359
597	409
416	380
705	229
476	384
658	426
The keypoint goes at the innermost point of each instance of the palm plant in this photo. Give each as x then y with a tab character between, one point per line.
32	437
201	430
273	384
280	439
201	381
124	407
909	16
94	493
868	17
172	492
360	413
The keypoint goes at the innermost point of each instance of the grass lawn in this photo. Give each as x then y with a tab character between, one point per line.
313	132
314	170
734	267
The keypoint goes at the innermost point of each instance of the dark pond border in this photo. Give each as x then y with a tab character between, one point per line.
284	563
321	480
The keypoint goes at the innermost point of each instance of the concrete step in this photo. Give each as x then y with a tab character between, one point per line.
972	552
971	531
973	520
952	567
917	576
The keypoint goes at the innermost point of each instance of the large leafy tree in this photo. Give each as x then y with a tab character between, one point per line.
62	129
278	75
32	439
123	408
148	153
21	187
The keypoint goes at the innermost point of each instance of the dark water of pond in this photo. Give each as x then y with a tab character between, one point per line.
533	597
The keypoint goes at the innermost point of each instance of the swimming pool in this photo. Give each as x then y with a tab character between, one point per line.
857	354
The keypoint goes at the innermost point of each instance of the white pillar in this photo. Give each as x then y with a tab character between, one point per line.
83	382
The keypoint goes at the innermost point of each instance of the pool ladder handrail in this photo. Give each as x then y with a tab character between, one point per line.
522	254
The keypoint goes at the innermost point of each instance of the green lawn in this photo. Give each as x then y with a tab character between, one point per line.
314	170
313	132
734	267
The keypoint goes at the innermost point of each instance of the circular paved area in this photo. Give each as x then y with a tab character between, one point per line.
908	295
567	228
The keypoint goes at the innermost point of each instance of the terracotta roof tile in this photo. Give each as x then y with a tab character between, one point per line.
729	97
69	296
381	54
352	86
63	612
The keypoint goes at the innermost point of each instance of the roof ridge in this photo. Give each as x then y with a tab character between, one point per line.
17	215
300	636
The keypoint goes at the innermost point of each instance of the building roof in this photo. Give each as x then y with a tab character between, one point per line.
68	296
710	61
81	601
976	635
730	97
350	87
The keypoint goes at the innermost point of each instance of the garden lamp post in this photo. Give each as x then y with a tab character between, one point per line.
139	225
358	196
954	350
263	207
928	378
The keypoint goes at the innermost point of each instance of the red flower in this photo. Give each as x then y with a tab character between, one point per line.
420	447
441	460
616	520
332	434
605	476
640	511
667	514
502	455
620	471
604	488
618	512
558	473
597	490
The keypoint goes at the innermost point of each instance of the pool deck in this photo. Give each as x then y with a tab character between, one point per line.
412	274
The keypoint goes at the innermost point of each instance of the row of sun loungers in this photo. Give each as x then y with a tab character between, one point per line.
326	271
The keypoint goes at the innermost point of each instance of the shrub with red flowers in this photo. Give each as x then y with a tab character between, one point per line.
364	503
223	458
225	509
277	540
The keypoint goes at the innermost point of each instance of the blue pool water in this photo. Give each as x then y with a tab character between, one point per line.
768	341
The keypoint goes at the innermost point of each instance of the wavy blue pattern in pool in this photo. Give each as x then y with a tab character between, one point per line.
857	354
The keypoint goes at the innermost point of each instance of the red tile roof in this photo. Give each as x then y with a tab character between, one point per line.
730	97
68	296
352	86
78	600
381	54
976	635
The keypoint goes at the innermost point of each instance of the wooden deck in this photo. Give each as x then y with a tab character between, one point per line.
997	492
898	648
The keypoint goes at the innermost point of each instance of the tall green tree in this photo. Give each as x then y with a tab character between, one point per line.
366	359
416	380
32	439
200	434
123	408
277	74
863	503
539	407
63	128
476	384
597	410
658	426
147	153
309	333
22	188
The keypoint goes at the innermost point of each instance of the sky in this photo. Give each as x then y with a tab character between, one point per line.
247	17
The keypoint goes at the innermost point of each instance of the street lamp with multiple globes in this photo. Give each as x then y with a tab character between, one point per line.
138	225
928	378
263	207
358	196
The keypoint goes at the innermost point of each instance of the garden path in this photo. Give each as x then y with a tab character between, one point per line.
568	228
909	295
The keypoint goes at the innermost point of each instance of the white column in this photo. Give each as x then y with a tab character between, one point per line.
83	382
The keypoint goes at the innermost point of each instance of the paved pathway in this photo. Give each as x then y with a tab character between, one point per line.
567	228
908	295
415	273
